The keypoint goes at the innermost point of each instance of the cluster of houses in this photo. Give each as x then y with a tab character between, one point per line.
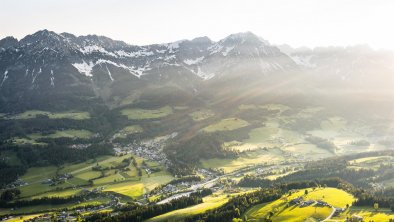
80	146
147	151
301	203
57	180
17	183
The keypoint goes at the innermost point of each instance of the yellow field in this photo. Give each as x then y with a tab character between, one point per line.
147	113
368	214
210	202
23	218
127	189
370	160
226	124
244	160
283	211
374	216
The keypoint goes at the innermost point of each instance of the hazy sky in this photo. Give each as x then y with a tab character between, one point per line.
296	22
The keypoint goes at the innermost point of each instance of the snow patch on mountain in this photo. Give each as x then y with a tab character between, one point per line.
227	50
109	73
193	61
173	46
215	48
200	73
52	78
95	48
5	77
304	61
136	71
84	68
204	75
136	54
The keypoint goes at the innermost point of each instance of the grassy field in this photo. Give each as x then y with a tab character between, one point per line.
209	203
244	160
201	114
31	139
124	182
226	124
373	162
128	130
283	211
132	190
26	141
147	113
76	115
82	134
368	214
181	107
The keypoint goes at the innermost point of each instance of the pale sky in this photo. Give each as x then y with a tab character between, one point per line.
295	22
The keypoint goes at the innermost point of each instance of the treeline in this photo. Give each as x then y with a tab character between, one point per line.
322	143
191	178
10	173
255	181
137	213
367	199
59	154
41	201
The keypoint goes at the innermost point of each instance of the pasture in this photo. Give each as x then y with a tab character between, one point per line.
138	114
226	125
209	203
124	181
128	130
201	114
283	210
75	115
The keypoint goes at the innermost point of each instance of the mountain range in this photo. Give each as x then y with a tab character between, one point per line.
79	71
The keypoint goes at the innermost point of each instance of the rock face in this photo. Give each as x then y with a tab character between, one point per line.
45	67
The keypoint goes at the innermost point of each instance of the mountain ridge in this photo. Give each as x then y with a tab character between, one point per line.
69	67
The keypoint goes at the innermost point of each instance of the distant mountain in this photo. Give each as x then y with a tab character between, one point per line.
79	71
354	68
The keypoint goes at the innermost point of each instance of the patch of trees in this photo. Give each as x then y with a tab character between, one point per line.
39	201
9	174
191	178
58	154
258	114
305	124
322	143
254	181
9	194
359	143
202	145
367	199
